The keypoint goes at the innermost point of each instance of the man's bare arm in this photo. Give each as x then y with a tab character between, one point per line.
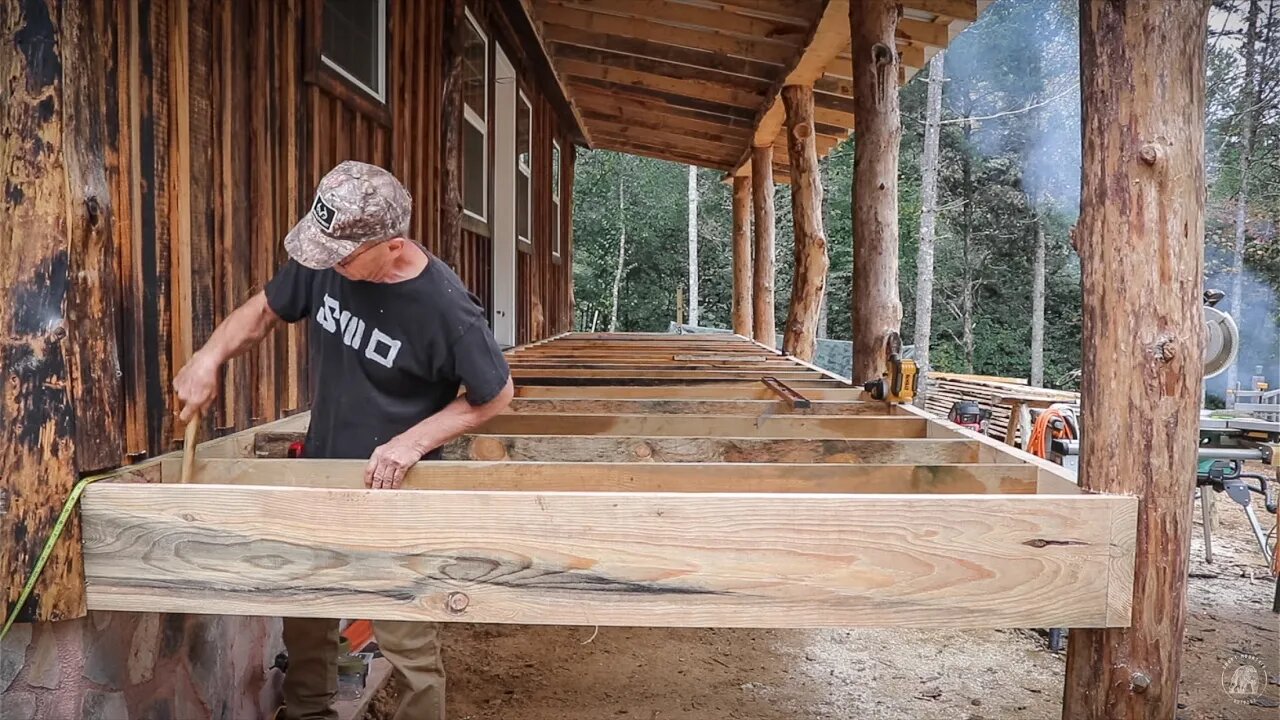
391	461
197	382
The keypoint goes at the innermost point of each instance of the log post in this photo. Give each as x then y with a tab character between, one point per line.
55	230
876	307
809	280
1140	239
742	255
762	205
451	111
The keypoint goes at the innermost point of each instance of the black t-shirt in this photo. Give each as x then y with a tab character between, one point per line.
385	356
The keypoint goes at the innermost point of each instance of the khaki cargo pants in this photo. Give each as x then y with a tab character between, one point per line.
413	648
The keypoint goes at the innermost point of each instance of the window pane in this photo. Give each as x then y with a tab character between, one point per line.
555	223
352	37
522	206
524	132
555	171
474	68
473	169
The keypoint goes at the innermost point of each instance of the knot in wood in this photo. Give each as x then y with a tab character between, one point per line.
456	602
94	210
881	55
1140	682
1151	153
802	131
1163	349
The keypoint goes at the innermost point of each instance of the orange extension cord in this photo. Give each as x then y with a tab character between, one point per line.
1039	441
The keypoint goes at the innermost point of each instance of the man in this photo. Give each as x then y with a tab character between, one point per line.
394	335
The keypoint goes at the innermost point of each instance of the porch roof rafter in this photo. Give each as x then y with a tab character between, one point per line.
700	81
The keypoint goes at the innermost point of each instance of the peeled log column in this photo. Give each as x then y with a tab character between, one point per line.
809	280
451	111
876	308
1140	239
742	255
762	203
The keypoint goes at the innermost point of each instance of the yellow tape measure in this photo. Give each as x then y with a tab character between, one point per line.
67	507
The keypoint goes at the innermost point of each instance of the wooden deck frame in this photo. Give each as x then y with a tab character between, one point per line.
707	506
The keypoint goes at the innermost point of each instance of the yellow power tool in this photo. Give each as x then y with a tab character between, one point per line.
898	384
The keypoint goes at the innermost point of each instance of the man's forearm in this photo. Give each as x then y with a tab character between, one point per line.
455	420
242	329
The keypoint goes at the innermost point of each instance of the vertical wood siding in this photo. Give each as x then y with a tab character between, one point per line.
216	133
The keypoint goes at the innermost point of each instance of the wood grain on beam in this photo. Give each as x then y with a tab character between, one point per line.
658	136
750	408
714	91
958	9
659	152
652	66
698	39
657	559
720	20
731	391
924	33
1016	479
620	106
653	425
562	38
659	97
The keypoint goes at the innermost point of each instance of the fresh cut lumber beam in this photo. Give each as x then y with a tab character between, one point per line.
750	408
1141	243
629	559
677	378
629	476
728	391
811	426
597	448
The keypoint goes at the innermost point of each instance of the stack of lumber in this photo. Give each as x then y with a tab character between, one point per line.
994	394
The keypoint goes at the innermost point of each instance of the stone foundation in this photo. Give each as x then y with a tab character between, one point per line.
141	666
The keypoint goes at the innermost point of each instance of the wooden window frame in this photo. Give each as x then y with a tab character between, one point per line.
523	103
557	181
321	72
482	125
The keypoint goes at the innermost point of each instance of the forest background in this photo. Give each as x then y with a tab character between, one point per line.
1006	281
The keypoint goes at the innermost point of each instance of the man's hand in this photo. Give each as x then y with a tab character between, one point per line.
196	385
390	462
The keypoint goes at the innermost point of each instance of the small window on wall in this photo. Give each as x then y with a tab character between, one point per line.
555	199
475	126
354	42
524	169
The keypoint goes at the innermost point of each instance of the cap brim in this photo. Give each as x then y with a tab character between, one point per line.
308	244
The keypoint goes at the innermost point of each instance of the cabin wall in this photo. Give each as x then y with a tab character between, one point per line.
167	147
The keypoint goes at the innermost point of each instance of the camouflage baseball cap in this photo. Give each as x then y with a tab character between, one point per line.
356	204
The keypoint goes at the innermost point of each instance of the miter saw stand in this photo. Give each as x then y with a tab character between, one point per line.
1228	439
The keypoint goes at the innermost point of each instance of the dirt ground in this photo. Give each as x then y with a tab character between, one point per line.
574	673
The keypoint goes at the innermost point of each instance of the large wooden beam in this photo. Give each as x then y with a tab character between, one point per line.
742	262
563	37
726	391
809	280
650	31
763	329
1140	239
597	448
572	558
751	408
876	307
651	425
717	20
717	91
977	479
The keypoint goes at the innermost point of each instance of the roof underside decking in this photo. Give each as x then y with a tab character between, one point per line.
636	480
698	81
